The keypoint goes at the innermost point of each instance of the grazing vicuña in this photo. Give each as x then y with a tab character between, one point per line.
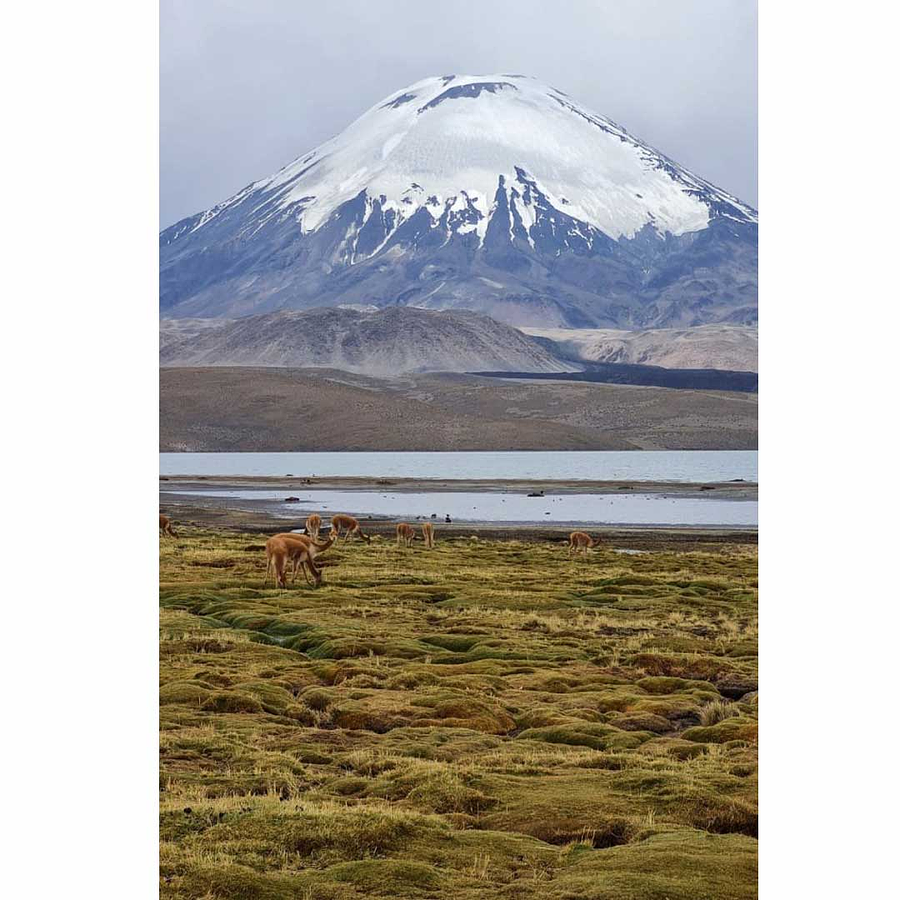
580	541
347	525
406	534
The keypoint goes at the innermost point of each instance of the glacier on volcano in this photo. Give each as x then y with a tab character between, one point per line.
494	193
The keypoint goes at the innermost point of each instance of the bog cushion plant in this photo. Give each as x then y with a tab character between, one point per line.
485	719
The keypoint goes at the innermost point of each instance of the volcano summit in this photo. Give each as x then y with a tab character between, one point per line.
492	193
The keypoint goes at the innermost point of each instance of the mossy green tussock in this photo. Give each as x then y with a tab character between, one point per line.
488	719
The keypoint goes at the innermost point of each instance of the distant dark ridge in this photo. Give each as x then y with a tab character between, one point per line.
648	376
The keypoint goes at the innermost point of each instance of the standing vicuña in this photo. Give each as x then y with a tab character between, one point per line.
406	534
303	551
277	554
165	525
313	524
346	525
579	541
285	548
428	535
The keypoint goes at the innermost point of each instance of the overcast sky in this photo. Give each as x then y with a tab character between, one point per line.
247	86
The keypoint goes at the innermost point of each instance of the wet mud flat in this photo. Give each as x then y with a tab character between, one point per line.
724	490
222	514
489	506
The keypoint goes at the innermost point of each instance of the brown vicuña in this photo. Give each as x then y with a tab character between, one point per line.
277	554
580	541
346	525
428	535
300	555
305	560
313	524
165	525
406	534
285	548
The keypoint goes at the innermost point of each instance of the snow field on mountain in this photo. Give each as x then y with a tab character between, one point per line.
584	164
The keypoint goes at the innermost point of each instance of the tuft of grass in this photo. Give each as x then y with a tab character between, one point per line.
716	710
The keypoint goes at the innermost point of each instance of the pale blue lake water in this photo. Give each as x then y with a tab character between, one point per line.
502	507
589	465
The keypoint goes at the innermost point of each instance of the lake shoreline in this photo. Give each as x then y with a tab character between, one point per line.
262	517
727	490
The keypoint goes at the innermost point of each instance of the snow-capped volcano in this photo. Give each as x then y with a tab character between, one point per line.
495	193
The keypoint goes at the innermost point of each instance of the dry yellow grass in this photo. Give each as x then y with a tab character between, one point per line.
486	719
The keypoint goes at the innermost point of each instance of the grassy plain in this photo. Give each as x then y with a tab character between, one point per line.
487	719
